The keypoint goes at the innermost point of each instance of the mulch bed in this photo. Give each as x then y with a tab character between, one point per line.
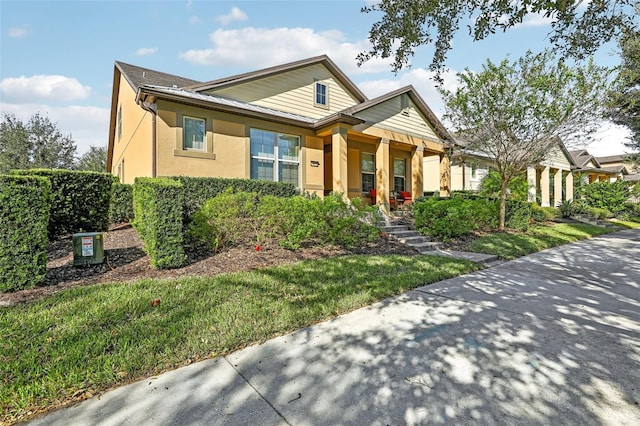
125	261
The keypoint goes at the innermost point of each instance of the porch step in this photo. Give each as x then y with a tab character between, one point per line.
394	228
413	239
426	247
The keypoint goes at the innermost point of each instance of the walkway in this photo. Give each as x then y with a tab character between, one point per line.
551	338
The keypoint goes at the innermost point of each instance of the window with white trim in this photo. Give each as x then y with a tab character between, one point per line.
193	131
321	94
368	171
275	156
399	174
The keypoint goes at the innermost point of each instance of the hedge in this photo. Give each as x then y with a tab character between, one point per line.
121	206
80	200
197	190
24	214
157	204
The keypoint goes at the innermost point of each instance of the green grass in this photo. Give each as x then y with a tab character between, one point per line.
538	237
628	224
88	339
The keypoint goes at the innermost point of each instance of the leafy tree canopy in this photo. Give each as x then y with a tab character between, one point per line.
94	160
578	27
625	97
38	143
517	113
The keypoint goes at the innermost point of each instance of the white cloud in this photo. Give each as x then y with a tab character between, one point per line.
17	32
146	51
235	15
42	87
249	46
535	20
609	141
87	125
194	20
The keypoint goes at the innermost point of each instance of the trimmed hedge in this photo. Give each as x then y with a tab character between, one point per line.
197	190
25	203
157	204
121	206
80	200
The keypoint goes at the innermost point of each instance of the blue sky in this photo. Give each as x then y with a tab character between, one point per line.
56	57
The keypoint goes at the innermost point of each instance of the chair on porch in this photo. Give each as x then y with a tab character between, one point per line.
392	199
406	196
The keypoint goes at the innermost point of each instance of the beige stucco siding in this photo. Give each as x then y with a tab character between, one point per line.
431	173
132	150
293	92
389	115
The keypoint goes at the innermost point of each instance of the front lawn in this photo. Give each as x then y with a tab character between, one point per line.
87	339
510	245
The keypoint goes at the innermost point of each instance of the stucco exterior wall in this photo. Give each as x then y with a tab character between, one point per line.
132	150
431	173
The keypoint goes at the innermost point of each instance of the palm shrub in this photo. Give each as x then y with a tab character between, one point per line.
566	208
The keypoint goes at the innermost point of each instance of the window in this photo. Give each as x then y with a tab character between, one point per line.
474	168
368	171
275	156
399	174
193	134
321	94
120	122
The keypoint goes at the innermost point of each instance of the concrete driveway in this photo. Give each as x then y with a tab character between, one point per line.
552	338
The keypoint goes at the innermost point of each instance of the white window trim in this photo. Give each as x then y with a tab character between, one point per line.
404	160
326	94
362	172
204	134
274	158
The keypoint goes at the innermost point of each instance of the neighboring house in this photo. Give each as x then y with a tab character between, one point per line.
550	180
621	163
593	171
305	123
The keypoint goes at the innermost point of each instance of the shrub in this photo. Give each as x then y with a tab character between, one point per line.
518	215
566	208
491	185
157	204
606	195
197	190
25	203
121	206
224	220
80	200
442	218
599	213
543	214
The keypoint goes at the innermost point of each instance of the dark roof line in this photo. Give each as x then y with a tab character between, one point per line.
139	76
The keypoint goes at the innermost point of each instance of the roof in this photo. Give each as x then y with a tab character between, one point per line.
279	69
611	159
139	76
635	177
581	157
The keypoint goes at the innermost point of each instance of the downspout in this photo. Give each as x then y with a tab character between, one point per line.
151	107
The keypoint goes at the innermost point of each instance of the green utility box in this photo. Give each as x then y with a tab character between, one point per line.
88	248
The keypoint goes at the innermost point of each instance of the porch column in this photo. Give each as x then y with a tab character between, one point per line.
417	172
339	161
532	184
445	176
568	184
544	187
557	188
382	176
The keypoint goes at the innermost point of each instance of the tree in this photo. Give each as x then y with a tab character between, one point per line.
36	144
517	112
94	160
578	28
624	108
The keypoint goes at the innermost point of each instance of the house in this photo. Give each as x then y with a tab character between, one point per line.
549	180
304	122
623	164
592	170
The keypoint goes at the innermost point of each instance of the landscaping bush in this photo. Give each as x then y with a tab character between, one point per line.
80	200
157	204
197	190
611	196
600	213
25	203
543	214
224	220
121	206
443	218
518	215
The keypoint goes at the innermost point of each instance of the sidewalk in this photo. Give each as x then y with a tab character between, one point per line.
550	338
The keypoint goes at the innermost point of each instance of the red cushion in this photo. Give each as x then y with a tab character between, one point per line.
406	195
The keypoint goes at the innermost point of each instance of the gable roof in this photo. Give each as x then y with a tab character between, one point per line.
611	159
416	98
581	157
279	69
139	76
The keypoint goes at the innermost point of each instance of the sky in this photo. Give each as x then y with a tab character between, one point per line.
57	57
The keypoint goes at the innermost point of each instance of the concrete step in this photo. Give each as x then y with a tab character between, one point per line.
403	234
414	239
389	229
429	246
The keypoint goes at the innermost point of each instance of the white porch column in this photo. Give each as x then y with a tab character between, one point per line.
557	188
382	176
544	187
339	161
532	183
417	173
569	186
